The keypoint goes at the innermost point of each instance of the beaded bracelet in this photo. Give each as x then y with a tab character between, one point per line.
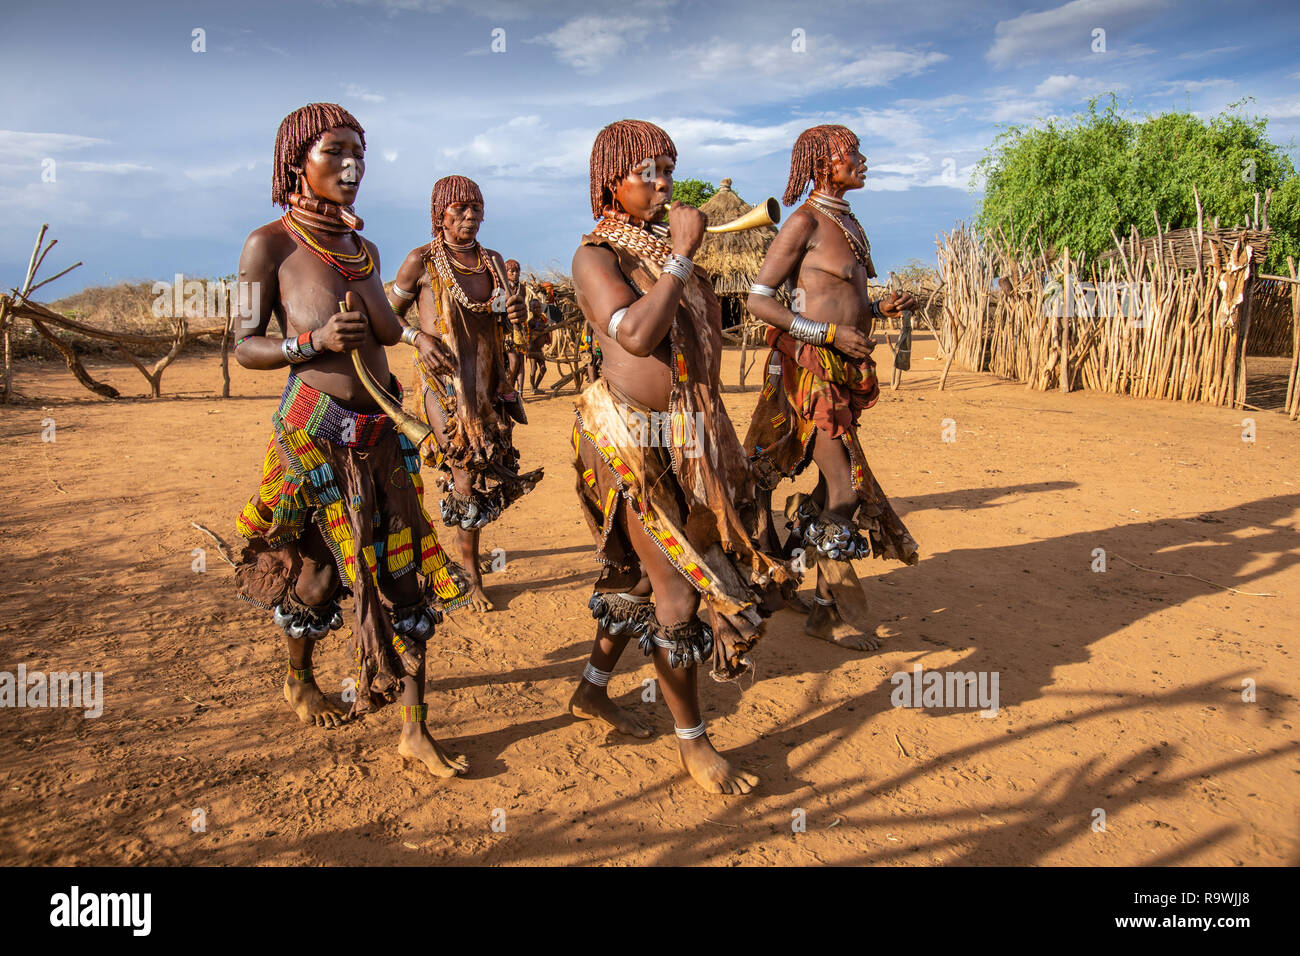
299	350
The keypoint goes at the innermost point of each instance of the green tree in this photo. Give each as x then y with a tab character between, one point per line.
1284	220
693	192
1070	183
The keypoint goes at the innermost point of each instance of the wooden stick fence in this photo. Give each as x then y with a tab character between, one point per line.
1135	323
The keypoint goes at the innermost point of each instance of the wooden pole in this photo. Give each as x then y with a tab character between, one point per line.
744	343
8	346
1243	325
1065	338
1292	393
225	347
1200	224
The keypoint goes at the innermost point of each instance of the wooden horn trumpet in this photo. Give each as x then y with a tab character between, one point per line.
765	214
412	428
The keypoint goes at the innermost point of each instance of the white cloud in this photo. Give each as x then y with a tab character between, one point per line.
106	167
1071	88
360	93
587	43
208	174
709	142
889	184
1134	50
390	155
828	64
499	9
19	146
527	154
1281	109
1192	86
721	77
1018	110
936	103
524	146
1202	54
1057	85
1066	31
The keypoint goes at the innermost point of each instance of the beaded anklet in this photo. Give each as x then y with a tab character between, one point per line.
415	713
302	674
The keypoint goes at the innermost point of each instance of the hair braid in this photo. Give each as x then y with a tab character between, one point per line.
812	154
618	148
447	192
298	131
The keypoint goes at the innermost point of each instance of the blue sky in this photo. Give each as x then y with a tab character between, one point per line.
162	155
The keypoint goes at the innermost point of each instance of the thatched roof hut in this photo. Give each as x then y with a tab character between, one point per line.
732	258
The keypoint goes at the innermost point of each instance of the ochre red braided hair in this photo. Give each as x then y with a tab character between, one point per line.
811	157
619	147
447	192
298	131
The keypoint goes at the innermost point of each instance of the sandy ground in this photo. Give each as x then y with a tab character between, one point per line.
1119	691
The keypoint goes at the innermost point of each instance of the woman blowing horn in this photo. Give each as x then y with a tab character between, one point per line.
671	514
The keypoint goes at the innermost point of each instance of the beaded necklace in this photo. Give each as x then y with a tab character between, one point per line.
469	270
442	263
861	248
340	262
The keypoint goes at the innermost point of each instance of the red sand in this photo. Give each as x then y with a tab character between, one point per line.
1120	691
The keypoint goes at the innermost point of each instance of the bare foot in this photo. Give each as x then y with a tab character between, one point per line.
311	706
825	623
590	702
478	600
822	619
707	767
417	744
796	602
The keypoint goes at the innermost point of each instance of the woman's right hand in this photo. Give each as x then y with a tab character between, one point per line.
686	225
344	331
852	342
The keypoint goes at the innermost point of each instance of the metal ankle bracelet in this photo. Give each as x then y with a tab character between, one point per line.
687	642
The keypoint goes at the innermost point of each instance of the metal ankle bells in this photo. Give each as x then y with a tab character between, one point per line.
833	540
413	625
468	512
416	621
617	613
304	621
688	642
836	541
